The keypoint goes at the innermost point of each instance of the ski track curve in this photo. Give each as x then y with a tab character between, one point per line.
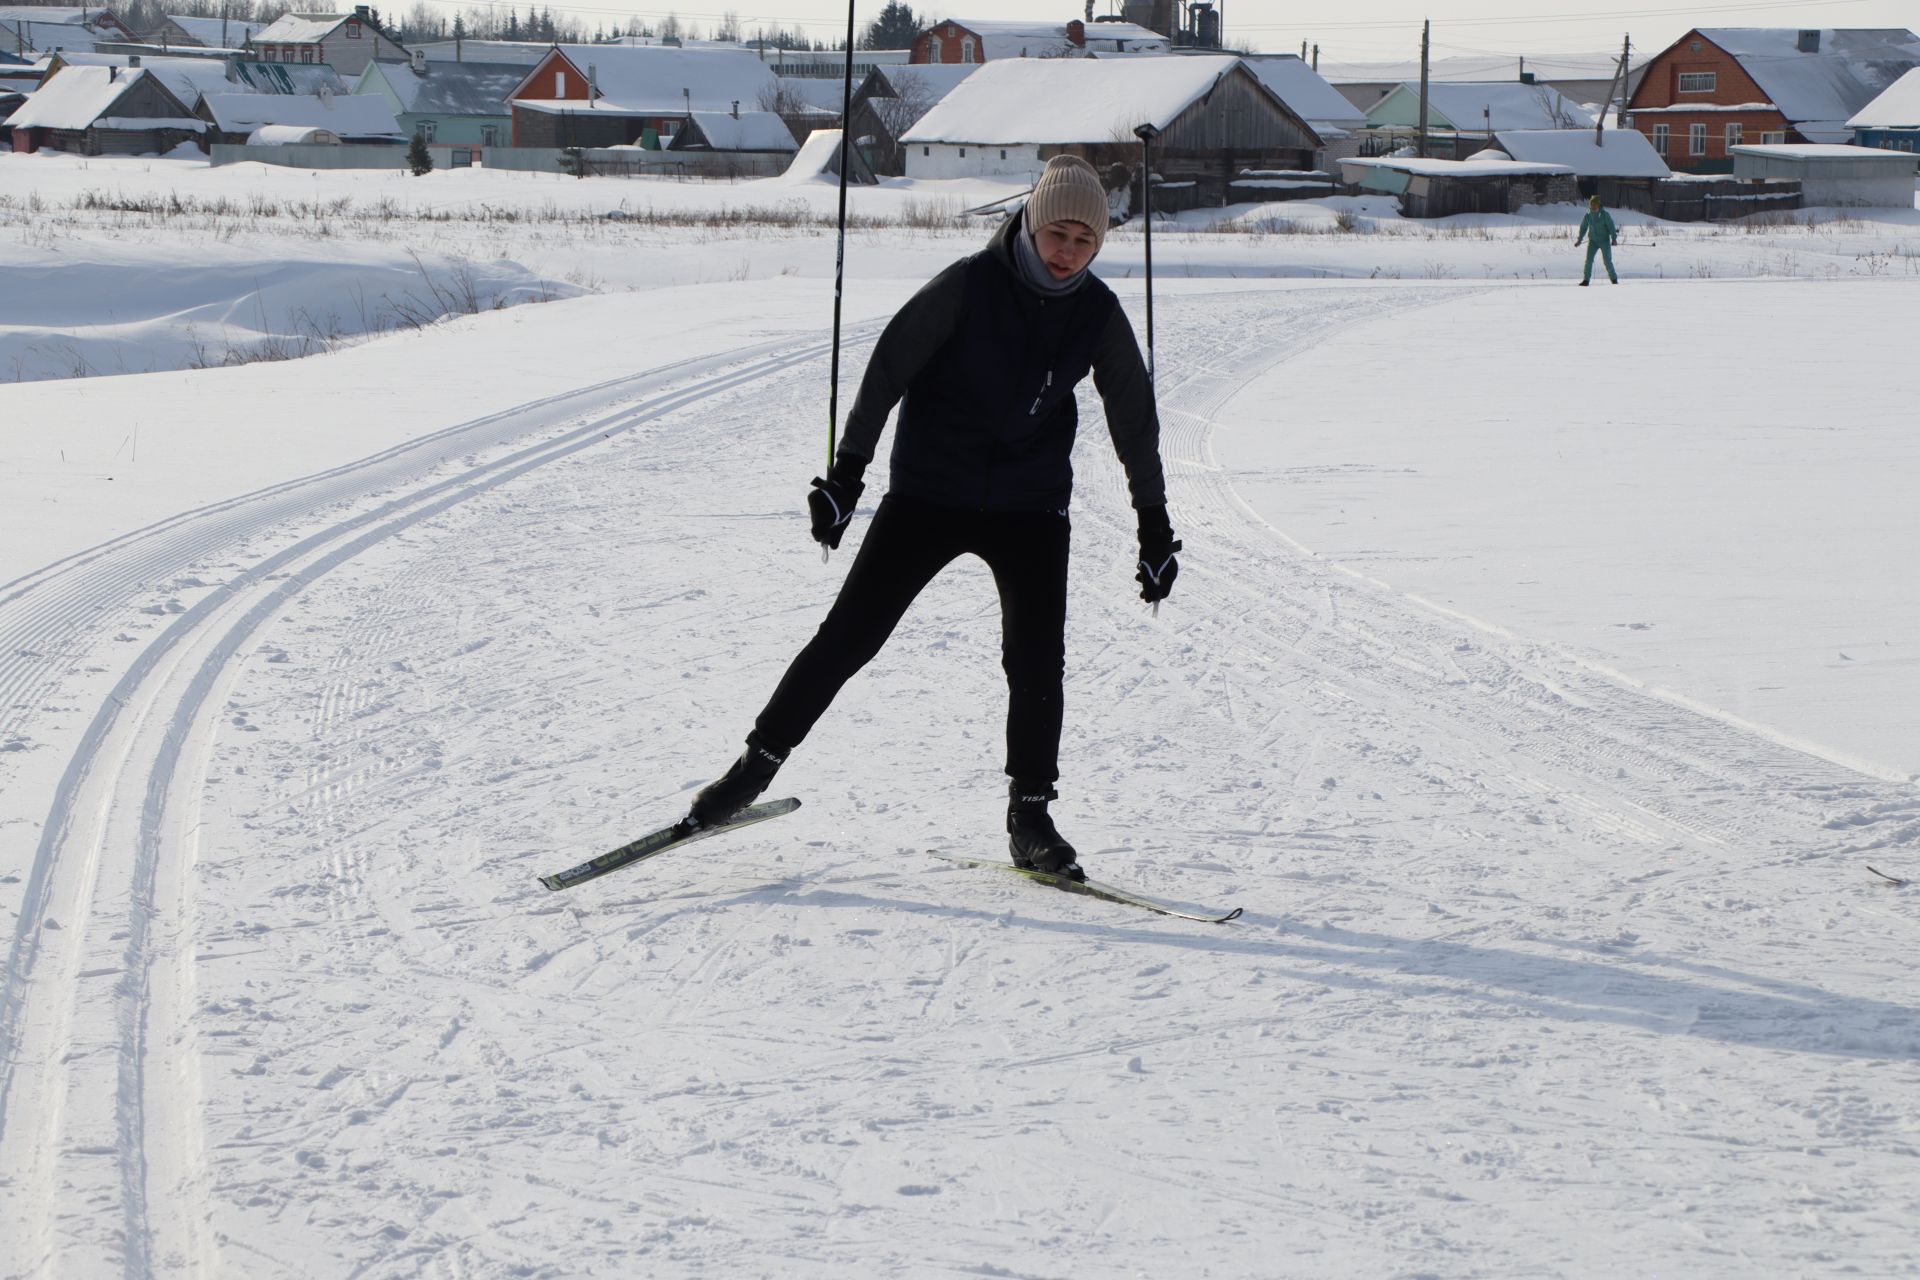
92	1010
1263	639
1265	648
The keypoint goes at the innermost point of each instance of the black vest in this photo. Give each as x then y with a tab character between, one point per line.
989	422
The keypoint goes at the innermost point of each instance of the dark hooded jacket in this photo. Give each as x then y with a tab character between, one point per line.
983	367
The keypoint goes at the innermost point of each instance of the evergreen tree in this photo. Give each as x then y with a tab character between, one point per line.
895	28
418	158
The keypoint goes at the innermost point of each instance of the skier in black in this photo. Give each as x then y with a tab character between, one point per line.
982	361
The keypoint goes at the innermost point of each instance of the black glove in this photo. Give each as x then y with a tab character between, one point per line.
831	502
1158	567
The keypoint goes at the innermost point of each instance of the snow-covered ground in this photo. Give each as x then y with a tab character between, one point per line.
1536	681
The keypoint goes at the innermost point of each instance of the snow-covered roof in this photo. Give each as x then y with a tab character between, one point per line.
1480	67
287	135
1820	91
1124	37
1472	168
926	81
44	37
1506	103
651	79
208	31
1002	38
1305	91
33	13
525	53
1062	101
452	88
1898	107
75	98
300	28
1823	151
286	77
349	115
185	78
1620	153
749	131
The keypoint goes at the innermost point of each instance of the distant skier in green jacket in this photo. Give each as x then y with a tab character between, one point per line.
1601	235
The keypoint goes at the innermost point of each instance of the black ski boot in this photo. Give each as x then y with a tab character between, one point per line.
739	786
1031	837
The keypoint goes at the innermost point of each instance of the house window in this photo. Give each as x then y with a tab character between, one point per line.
426	130
489	135
559	84
926	151
1733	137
306	53
1775	138
1698	81
966	48
1003	153
1660	132
353	30
933	48
1696	139
963	153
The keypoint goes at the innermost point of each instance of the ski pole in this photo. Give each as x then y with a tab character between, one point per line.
1147	133
840	251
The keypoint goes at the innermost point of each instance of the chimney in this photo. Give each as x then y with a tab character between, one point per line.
363	12
113	75
133	60
736	108
1077	34
418	57
1809	42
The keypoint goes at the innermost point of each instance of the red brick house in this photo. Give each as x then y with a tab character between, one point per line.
1719	87
977	40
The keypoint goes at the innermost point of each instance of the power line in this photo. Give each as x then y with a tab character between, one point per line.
1609	15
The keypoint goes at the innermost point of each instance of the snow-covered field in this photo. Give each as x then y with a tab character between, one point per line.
1540	677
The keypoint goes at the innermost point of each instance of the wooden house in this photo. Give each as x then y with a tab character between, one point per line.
1618	165
1463	117
583	95
103	111
205	33
890	101
1215	118
1487	182
347	42
760	131
971	40
1892	120
1717	88
460	103
235	117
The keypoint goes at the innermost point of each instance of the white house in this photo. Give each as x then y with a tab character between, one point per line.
1009	117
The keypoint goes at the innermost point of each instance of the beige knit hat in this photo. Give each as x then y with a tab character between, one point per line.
1069	190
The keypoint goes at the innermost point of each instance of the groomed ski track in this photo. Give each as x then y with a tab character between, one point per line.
99	973
385	840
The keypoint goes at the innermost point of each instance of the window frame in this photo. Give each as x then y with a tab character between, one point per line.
1732	135
1712	84
1662	138
1696	139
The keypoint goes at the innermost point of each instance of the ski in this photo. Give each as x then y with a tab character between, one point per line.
658	842
1094	889
1895	881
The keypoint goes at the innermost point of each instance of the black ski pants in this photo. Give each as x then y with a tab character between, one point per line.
910	542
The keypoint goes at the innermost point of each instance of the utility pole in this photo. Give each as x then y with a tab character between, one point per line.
1620	78
1426	44
1316	57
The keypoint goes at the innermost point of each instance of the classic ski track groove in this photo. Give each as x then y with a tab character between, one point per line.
125	787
